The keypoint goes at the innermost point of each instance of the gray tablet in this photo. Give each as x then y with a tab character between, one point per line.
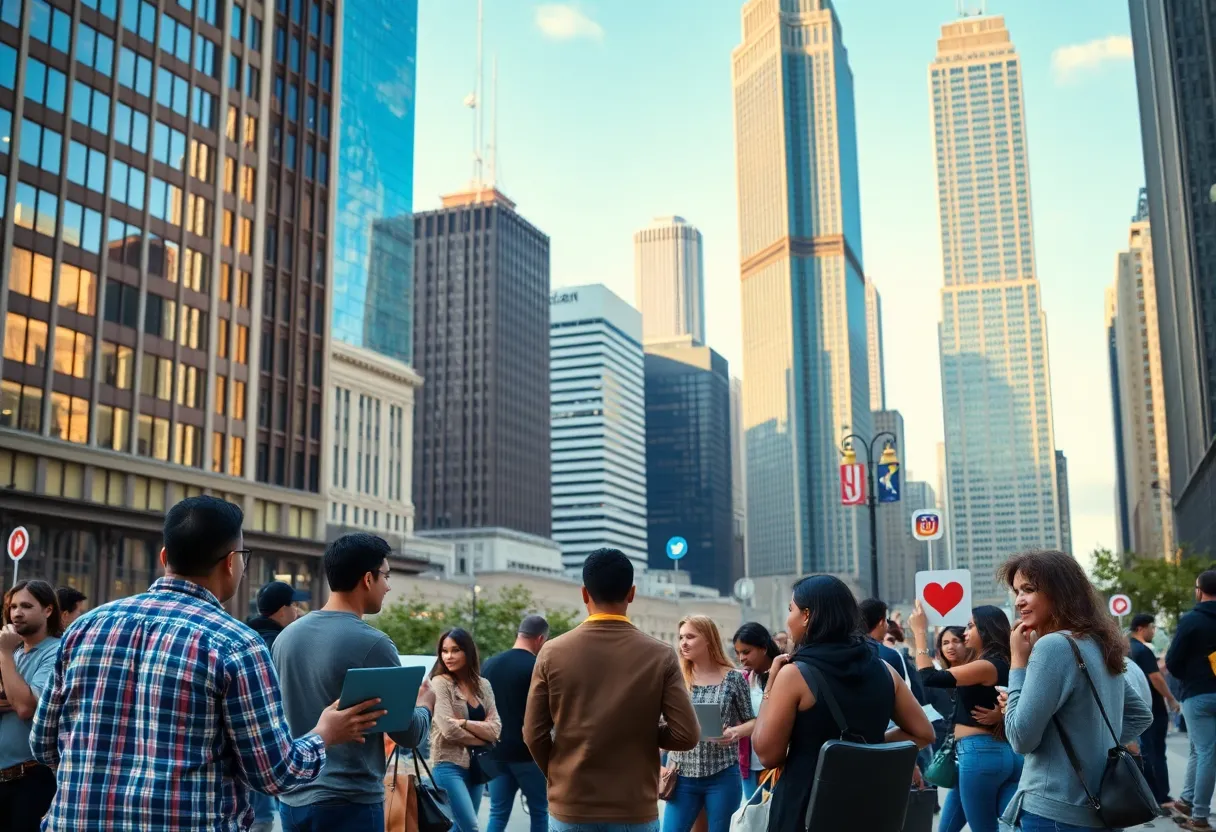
710	718
395	687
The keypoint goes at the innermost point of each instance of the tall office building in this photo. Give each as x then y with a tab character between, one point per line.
803	286
1142	448
164	297
996	388
738	476
1174	54
1122	514
688	474
878	380
1065	505
896	567
372	386
669	280
597	387
481	342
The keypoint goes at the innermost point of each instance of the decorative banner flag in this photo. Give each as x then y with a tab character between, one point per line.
888	482
853	484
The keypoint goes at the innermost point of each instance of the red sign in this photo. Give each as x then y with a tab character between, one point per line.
1120	605
18	543
853	484
943	598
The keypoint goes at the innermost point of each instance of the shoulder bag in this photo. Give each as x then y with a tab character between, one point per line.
753	815
1124	798
943	770
857	785
434	807
400	802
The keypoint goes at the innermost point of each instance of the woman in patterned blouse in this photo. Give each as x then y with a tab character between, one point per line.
708	776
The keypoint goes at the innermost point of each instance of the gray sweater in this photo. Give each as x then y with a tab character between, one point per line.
1053	685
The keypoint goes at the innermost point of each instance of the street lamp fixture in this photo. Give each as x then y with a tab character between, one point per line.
849	456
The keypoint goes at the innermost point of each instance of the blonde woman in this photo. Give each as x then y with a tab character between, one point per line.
708	776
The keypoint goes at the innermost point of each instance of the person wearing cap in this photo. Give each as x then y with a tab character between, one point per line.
510	675
276	609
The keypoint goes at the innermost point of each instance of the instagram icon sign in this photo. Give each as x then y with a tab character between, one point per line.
927	524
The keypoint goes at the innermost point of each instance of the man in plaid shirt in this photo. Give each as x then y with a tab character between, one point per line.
165	710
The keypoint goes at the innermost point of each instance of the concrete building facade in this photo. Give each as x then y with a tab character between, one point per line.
669	280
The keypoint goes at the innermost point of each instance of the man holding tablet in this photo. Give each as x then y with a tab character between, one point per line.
312	656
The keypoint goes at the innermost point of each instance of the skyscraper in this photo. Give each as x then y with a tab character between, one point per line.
1065	503
481	342
1174	54
996	388
669	280
878	381
1143	446
598	390
1122	515
738	474
164	306
688	475
803	286
372	385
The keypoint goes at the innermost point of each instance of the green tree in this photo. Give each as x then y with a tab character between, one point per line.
415	625
1163	588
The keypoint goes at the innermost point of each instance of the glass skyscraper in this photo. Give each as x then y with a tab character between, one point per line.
996	388
803	286
374	230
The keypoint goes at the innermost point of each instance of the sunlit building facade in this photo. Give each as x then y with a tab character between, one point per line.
669	280
803	286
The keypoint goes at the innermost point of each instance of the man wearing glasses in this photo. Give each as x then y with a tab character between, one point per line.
1192	660
164	710
312	657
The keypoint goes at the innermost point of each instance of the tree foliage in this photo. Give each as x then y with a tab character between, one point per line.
415	625
1154	585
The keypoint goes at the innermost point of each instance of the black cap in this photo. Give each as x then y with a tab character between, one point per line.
276	595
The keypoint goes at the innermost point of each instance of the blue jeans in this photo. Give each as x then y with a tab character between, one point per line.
559	826
263	807
988	774
516	777
464	797
1200	712
1034	823
333	817
718	794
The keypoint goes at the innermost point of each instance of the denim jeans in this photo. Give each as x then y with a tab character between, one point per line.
517	777
1152	751
988	774
1034	823
264	807
559	826
718	794
1200	712
750	783
464	797
333	817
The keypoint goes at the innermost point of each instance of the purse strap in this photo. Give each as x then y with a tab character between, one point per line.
1093	689
823	692
1068	747
418	758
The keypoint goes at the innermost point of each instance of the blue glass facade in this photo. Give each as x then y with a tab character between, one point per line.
373	234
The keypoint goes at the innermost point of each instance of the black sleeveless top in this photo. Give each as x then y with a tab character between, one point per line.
969	696
866	694
477	714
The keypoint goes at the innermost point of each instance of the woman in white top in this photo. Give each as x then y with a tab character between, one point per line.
756	650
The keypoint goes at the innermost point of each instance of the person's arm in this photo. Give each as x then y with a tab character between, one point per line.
679	729
978	672
450	725
787	693
16	689
384	654
1162	687
538	716
1137	714
740	721
44	738
1036	688
1175	656
909	717
489	729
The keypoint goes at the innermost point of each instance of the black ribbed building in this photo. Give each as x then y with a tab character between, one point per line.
481	344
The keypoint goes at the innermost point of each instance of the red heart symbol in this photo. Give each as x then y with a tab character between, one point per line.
943	598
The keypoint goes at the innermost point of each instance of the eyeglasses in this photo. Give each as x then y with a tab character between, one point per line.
244	553
384	575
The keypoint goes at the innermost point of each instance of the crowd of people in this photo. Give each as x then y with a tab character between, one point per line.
163	712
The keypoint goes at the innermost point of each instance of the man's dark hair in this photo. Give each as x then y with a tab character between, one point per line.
1207	582
873	612
199	533
352	556
70	598
44	594
533	626
1141	620
608	576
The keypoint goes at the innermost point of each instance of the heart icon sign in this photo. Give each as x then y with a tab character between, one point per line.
943	598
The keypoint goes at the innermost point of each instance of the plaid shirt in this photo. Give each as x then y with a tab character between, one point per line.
164	711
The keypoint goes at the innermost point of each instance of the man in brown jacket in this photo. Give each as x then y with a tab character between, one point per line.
615	697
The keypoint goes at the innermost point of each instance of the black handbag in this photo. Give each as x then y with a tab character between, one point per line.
922	805
1124	799
434	807
857	785
483	765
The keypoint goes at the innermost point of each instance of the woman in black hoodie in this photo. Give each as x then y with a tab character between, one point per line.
826	630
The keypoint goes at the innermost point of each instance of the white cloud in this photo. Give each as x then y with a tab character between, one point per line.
566	21
1068	61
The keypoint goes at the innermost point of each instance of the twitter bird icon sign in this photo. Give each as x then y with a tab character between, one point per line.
677	548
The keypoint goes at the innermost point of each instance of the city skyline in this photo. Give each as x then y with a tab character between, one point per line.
1084	144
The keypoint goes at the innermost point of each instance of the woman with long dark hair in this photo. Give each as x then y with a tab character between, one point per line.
826	630
988	768
755	649
1063	635
465	720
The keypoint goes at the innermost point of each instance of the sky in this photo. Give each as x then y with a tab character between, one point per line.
612	112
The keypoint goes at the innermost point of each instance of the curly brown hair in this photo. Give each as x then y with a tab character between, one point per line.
1076	605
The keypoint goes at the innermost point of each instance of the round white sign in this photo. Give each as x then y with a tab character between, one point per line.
1120	605
18	543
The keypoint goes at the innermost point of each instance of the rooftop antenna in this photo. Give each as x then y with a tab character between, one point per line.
473	101
966	8
492	148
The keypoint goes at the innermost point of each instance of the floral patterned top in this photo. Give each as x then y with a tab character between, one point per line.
708	758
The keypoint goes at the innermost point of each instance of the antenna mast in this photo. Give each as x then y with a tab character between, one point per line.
474	101
492	150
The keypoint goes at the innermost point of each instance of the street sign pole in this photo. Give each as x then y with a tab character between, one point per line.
930	555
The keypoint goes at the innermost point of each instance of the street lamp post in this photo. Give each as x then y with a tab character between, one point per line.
476	594
888	457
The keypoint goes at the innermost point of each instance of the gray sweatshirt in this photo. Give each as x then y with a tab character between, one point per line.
1053	685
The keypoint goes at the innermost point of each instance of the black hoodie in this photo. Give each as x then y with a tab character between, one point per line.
1190	656
267	628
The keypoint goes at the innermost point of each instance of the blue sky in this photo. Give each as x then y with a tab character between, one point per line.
612	112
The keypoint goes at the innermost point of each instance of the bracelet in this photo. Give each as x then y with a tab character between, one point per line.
924	651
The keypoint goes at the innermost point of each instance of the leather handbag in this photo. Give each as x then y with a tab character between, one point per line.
483	765
400	803
1124	799
922	804
434	806
943	770
668	776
